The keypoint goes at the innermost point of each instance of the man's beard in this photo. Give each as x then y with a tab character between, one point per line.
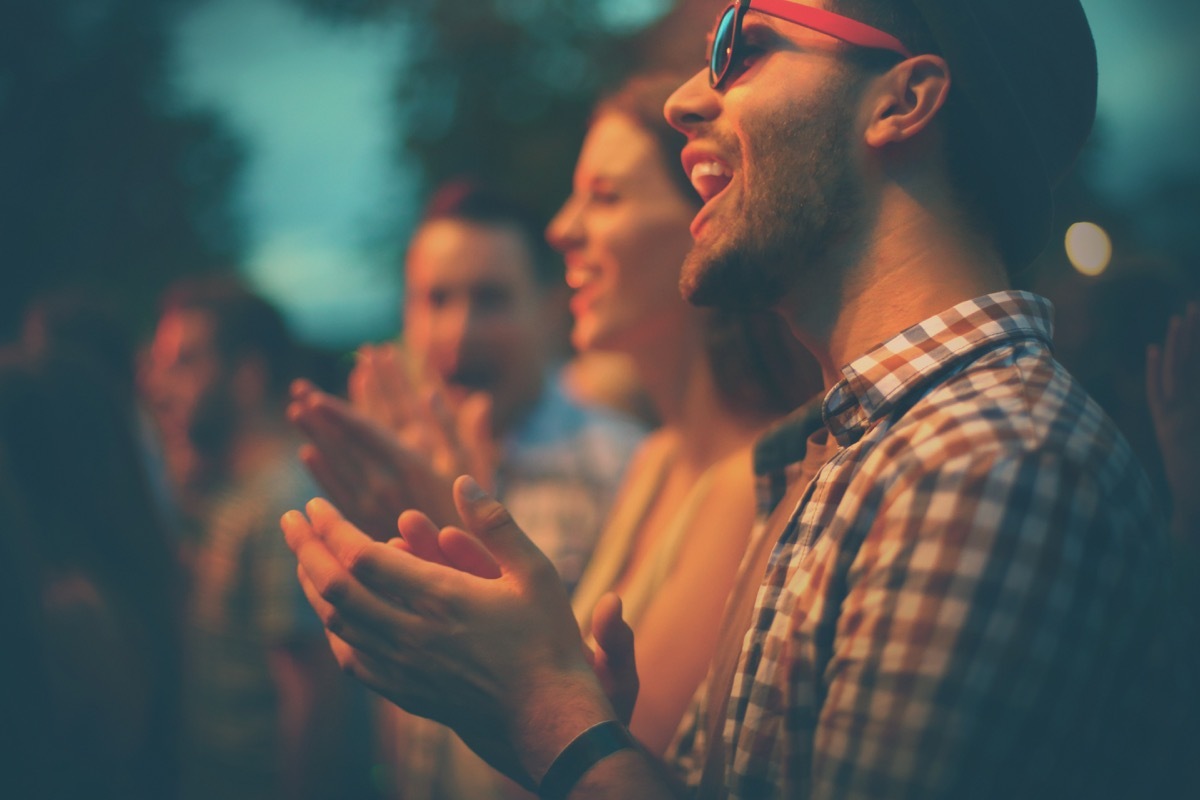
804	200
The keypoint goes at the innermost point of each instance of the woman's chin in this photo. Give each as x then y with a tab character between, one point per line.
585	336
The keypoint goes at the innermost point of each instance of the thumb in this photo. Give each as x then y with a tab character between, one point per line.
491	523
615	663
613	634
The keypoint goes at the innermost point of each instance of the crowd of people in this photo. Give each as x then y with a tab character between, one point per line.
869	538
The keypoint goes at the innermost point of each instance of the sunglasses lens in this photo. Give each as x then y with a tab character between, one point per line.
722	47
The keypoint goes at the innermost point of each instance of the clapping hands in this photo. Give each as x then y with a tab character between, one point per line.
467	626
396	445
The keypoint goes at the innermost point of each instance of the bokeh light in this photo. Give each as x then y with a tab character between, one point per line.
1089	248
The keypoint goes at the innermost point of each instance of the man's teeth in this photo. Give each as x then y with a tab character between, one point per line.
706	169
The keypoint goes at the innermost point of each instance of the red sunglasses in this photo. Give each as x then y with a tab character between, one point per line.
727	34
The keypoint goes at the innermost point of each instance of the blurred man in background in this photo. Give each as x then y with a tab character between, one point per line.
267	713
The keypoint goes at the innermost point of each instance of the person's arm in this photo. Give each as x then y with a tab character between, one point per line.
498	660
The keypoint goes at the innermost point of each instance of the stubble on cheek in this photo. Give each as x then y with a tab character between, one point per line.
798	198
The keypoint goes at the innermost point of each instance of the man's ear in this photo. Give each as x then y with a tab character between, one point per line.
906	99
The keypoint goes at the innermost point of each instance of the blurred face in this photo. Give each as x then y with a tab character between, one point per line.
624	233
474	313
187	383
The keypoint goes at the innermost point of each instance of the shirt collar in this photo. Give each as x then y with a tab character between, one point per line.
876	383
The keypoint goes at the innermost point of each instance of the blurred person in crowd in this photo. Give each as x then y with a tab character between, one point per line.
97	711
86	323
267	712
473	387
969	597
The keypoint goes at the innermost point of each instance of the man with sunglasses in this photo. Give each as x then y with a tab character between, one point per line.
968	599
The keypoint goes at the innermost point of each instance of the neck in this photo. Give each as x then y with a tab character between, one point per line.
678	378
910	266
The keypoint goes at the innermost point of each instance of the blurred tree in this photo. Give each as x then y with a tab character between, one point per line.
103	182
501	89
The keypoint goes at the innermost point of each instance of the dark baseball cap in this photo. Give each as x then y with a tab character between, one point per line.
1027	71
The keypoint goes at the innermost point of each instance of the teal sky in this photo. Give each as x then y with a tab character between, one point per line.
325	196
323	191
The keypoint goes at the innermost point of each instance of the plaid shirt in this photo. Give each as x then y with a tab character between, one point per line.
967	598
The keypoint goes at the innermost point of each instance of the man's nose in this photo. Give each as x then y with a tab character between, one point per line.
692	103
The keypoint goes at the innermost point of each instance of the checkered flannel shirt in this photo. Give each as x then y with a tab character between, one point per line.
968	597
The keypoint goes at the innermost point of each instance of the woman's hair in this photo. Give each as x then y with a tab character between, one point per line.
759	366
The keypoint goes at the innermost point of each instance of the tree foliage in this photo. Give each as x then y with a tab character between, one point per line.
104	182
501	89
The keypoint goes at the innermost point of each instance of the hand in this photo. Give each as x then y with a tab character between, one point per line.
363	468
499	660
1173	393
416	405
613	661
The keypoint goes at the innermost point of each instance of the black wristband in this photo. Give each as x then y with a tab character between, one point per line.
585	751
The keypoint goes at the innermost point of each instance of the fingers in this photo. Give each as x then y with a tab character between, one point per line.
465	552
317	417
391	375
301	388
355	432
1173	370
442	430
344	605
322	513
1171	358
421	536
356	551
451	546
494	526
363	388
